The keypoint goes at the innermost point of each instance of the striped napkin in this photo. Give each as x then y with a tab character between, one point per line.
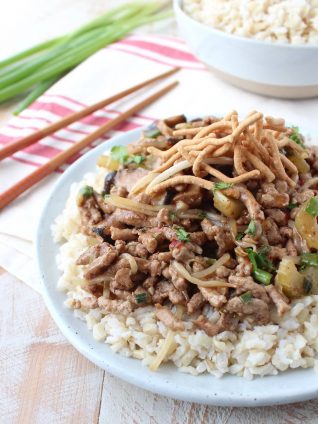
112	69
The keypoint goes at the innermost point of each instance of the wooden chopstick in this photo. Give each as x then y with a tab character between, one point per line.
13	192
76	116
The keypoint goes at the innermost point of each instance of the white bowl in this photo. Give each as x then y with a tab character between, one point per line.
272	69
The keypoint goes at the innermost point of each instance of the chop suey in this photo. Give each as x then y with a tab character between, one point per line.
208	211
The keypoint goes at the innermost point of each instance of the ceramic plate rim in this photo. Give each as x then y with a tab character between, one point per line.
291	386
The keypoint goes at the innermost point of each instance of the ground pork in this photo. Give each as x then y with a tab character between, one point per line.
123	216
291	248
244	268
227	322
256	309
198	237
149	241
286	233
280	217
161	291
164	217
222	272
271	232
89	302
103	256
95	289
168	318
149	283
107	306
277	253
137	249
280	301
246	197
123	280
303	196
125	234
119	191
195	303
182	253
156	267
90	214
223	237
269	196
161	256
247	284
192	197
179	282
215	296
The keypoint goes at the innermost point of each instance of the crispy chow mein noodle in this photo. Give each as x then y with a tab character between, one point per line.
209	223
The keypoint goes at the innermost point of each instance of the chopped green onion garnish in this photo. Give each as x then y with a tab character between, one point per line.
307	286
292	206
119	154
262	259
141	297
86	191
221	186
172	216
138	159
252	256
182	234
260	275
312	207
295	136
246	297
239	236
263	277
309	259
251	229
152	132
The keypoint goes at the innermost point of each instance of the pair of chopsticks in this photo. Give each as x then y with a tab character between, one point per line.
20	187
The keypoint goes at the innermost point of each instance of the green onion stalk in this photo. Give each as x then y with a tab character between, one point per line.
41	88
41	66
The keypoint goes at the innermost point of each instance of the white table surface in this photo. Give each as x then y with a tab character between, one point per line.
43	379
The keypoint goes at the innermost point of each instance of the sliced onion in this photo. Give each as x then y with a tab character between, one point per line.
180	166
129	204
191	213
233	228
163	352
211	269
132	262
209	283
143	182
215	217
168	345
120	202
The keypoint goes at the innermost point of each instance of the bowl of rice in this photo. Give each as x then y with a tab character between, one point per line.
270	48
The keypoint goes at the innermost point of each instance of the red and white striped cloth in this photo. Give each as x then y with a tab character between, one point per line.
112	69
54	104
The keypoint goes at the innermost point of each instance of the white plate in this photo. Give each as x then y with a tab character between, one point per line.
291	386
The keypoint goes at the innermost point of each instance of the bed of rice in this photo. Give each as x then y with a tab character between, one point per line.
291	342
287	21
